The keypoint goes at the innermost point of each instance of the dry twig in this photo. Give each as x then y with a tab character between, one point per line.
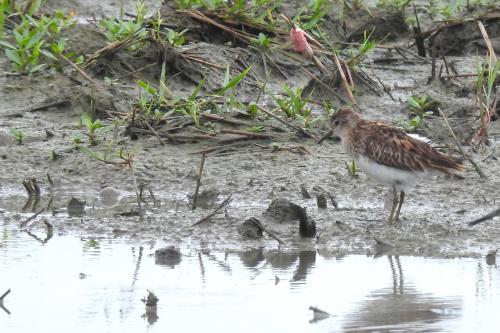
198	181
216	210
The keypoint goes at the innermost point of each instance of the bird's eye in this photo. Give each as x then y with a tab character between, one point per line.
337	122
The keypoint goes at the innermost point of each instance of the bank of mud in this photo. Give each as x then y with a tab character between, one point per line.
254	172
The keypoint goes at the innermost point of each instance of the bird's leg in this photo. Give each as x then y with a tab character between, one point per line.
394	204
401	199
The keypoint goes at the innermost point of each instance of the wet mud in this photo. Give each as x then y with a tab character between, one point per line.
254	173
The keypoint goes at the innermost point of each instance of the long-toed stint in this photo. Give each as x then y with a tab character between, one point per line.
389	155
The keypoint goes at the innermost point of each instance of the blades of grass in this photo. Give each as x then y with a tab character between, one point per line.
163	86
196	90
147	87
234	81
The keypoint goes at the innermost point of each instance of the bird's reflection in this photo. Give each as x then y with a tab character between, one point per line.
393	308
307	259
252	258
302	260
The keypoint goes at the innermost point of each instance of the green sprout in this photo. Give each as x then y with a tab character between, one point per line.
262	42
118	30
34	37
352	169
415	123
422	104
256	129
366	46
92	126
18	135
295	106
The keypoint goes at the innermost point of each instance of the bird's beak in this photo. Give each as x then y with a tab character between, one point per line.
326	136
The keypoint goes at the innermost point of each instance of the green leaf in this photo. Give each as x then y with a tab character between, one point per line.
86	121
197	90
7	44
147	87
13	56
38	68
48	54
234	82
34	40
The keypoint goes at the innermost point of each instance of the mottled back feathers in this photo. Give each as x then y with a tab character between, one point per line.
389	146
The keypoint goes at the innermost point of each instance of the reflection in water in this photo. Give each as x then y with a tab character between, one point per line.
252	258
398	306
2	297
362	294
306	261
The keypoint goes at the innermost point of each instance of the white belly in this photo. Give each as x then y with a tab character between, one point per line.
389	176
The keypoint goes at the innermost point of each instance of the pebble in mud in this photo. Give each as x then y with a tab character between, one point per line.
169	256
109	197
76	207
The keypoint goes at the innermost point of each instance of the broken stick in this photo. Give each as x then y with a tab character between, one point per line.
198	180
216	210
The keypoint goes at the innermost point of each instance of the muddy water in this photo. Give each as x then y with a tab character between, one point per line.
85	285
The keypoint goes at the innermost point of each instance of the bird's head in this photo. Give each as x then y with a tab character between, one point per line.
341	121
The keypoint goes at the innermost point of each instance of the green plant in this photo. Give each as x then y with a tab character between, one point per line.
256	129
153	100
295	106
486	99
352	169
34	37
18	135
262	42
253	109
422	104
312	14
92	126
118	30
415	123
254	12
365	47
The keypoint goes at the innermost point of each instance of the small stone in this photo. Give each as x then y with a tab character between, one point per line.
321	200
76	207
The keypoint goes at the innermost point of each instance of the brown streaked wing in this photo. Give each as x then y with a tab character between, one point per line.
390	146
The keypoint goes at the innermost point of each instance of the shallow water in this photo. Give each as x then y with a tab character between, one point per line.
81	285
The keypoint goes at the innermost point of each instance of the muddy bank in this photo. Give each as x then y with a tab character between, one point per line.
254	172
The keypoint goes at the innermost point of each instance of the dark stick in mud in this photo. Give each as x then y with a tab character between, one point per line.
23	224
79	70
314	77
457	143
246	133
485	218
198	181
154	132
419	40
272	235
216	210
139	204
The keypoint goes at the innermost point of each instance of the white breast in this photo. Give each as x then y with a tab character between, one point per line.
390	176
